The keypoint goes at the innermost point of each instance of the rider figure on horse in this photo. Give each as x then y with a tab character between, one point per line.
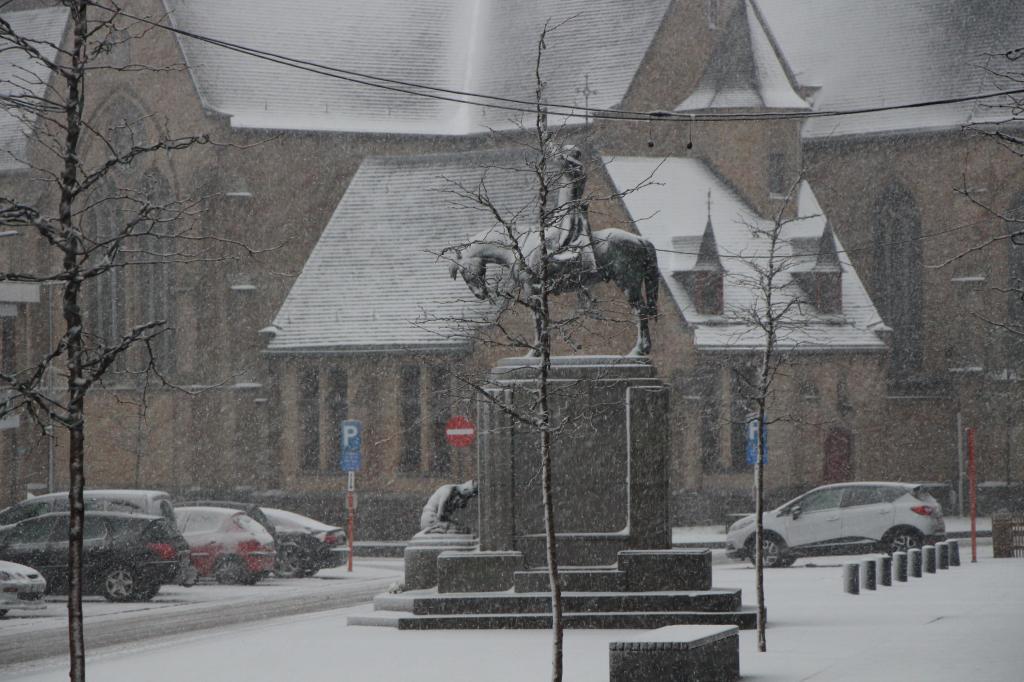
572	242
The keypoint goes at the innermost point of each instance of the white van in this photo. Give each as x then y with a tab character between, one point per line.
154	502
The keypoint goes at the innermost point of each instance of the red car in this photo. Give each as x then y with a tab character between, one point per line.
227	544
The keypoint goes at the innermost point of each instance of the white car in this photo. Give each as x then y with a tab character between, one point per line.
21	588
843	518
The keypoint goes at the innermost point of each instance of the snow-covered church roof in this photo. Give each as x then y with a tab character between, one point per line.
674	214
486	46
873	53
745	70
374	280
23	77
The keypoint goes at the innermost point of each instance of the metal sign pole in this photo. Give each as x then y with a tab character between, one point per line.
351	516
350	461
972	481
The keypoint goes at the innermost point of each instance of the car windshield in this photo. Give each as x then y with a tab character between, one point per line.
292	521
817	500
197	520
246	522
20	512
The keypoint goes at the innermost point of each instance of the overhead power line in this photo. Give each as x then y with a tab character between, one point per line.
556	109
573	111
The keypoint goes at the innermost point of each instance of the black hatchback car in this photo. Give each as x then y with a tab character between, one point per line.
127	557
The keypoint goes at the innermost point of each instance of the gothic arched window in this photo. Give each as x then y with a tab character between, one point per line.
155	278
897	276
106	306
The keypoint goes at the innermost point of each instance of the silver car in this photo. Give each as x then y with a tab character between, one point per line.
21	588
843	518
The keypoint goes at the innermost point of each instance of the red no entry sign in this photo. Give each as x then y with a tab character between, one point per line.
459	432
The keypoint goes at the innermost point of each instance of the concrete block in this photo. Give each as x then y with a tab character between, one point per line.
652	570
597	580
477	571
421	557
707	653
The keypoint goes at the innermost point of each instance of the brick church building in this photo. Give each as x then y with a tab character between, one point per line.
344	193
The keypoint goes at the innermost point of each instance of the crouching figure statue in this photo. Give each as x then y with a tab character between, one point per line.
436	518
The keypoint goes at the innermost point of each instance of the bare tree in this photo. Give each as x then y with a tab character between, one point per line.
96	218
776	300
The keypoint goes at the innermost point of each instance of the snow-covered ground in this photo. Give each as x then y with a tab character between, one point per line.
966	623
205	596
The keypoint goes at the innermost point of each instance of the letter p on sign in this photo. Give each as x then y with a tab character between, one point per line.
351	445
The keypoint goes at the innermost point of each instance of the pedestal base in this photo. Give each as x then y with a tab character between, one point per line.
422	553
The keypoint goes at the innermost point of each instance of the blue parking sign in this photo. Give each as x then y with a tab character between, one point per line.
351	444
752	422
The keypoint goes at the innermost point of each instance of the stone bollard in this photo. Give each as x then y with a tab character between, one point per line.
914	555
929	558
954	552
943	550
851	579
884	570
867	578
900	566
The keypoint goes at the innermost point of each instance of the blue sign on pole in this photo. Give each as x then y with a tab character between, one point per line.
752	422
351	444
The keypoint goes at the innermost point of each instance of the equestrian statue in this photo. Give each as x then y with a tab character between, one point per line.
576	256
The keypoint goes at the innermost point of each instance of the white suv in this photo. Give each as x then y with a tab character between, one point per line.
844	518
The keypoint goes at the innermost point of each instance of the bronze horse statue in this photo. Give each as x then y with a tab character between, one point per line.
628	260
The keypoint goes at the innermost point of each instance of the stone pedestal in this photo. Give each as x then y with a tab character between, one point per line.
616	565
421	557
610	462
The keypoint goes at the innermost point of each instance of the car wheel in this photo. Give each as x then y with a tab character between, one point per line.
902	539
774	552
120	584
290	562
230	571
3	612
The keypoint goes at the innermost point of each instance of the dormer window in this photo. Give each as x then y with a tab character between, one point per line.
821	277
701	273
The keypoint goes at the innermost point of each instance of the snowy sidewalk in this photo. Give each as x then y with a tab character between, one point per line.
962	624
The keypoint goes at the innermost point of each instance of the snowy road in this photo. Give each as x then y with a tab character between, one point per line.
28	636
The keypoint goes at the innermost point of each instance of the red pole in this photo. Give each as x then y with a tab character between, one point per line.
972	487
351	527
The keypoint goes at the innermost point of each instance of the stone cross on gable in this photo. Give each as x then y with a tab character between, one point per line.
586	91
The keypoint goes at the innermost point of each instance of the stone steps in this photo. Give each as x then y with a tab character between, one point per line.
572	580
745	618
429	603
